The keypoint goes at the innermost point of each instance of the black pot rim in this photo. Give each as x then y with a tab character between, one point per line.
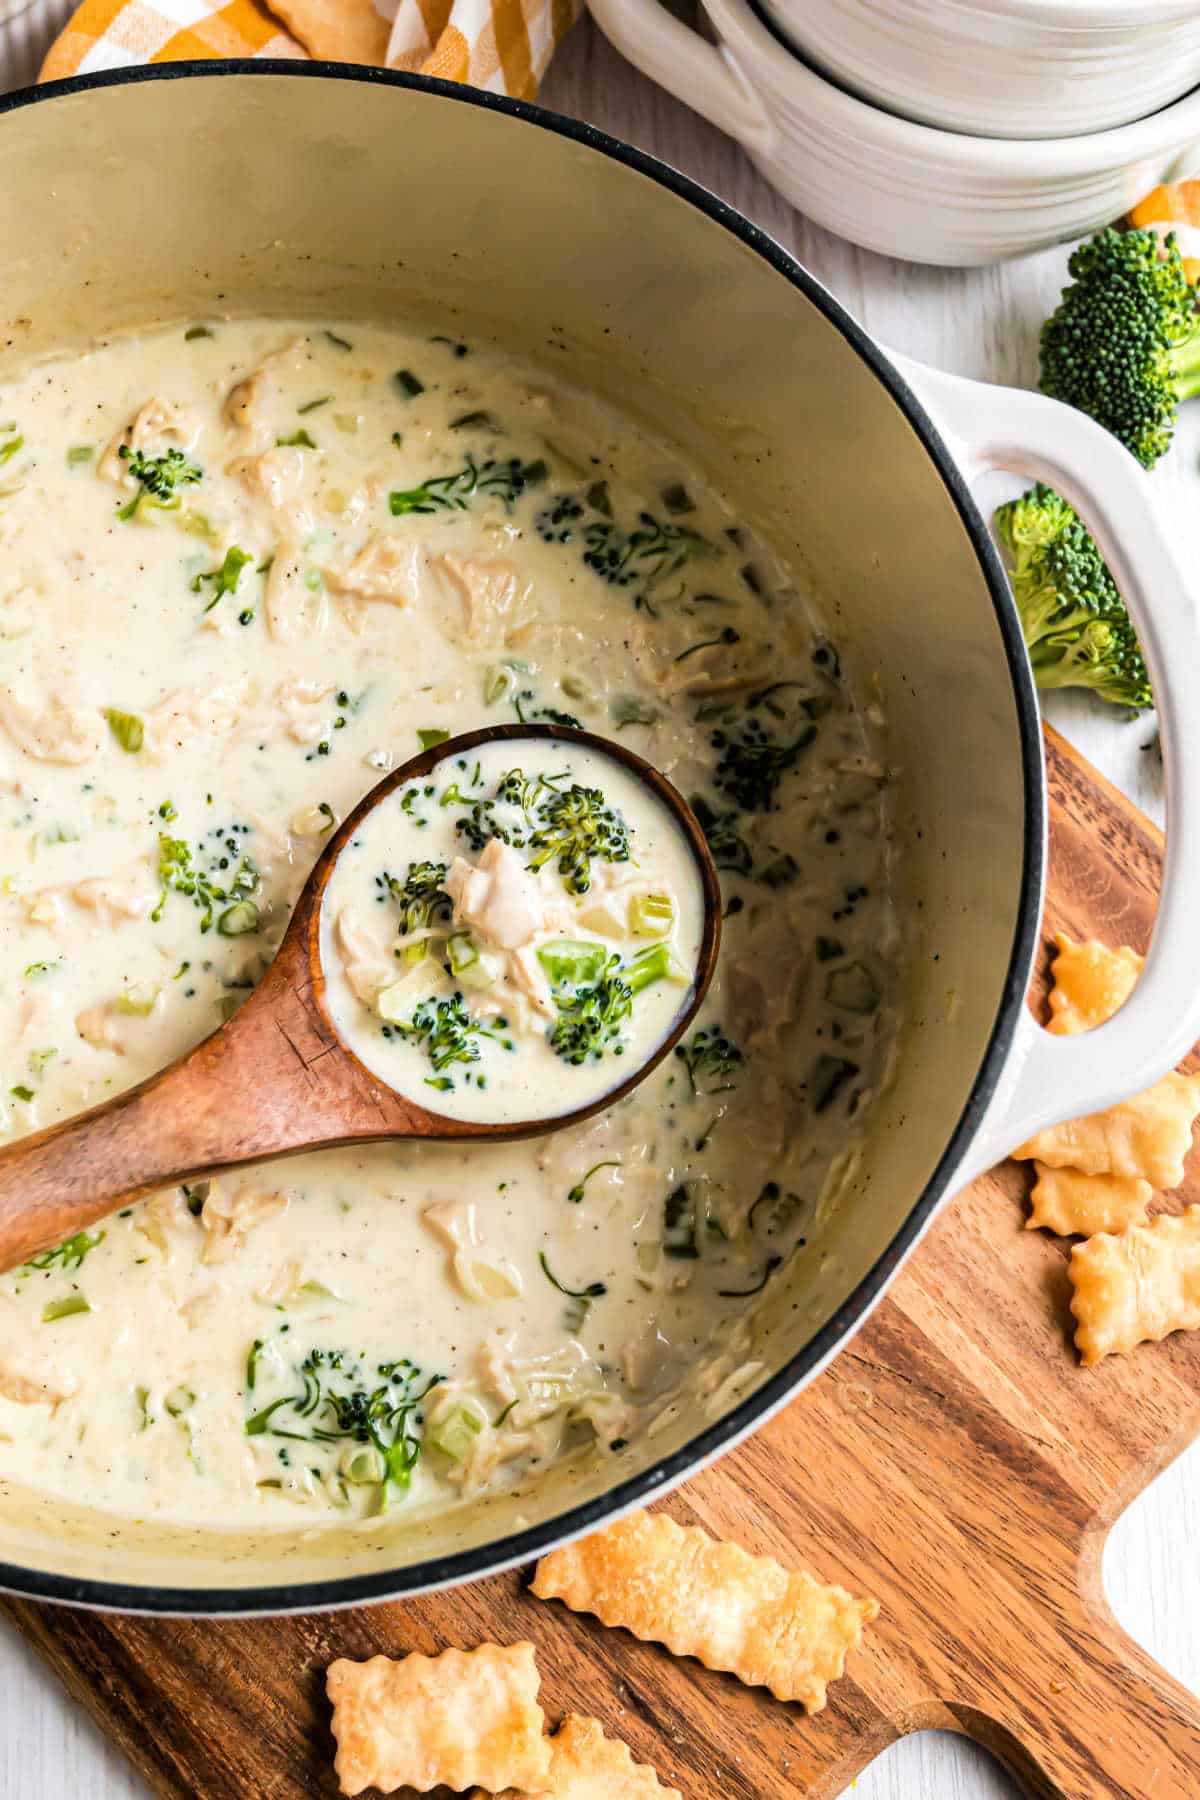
474	1564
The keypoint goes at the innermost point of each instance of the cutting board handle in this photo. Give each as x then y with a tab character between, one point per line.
1109	1724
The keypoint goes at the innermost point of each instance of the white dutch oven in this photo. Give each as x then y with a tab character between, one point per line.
1003	68
902	188
342	193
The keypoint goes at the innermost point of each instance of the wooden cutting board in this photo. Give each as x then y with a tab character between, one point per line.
955	1461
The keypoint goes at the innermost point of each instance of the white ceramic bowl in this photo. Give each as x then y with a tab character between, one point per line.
895	186
1003	68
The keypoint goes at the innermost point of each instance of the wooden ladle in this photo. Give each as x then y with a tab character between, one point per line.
277	1078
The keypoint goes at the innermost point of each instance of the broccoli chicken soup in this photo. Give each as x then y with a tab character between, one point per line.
534	973
247	569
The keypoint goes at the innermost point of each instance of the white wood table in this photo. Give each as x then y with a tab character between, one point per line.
982	323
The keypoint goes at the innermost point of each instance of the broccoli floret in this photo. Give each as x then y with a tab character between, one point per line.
157	477
713	1061
573	827
447	1033
420	896
1124	343
1076	628
752	765
590	1019
335	1405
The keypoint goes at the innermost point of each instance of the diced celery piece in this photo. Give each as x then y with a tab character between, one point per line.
316	1290
462	951
469	967
127	728
852	989
651	915
139	1000
393	1003
654	965
456	1430
363	1466
66	1308
571	962
238	919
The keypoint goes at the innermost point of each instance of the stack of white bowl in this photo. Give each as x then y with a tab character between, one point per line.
945	131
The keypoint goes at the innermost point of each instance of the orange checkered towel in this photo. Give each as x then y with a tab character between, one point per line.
503	45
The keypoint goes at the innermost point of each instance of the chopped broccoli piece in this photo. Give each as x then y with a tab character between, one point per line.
420	897
590	1019
1124	342
448	1033
505	480
179	871
574	826
712	1060
67	1255
335	1405
752	765
157	477
730	851
1076	628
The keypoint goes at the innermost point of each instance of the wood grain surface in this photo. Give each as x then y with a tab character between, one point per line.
954	1461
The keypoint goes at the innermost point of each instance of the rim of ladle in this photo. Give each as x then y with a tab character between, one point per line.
437	1125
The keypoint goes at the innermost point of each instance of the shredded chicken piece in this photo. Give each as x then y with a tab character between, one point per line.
31	1373
275	480
156	424
228	1219
365	962
637	1181
131	895
108	1025
643	1356
764	983
304	705
166	1212
528	977
669	664
384	569
45	907
480	1274
25	1392
251	401
245	402
497	898
495	603
282	1281
56	732
185	714
293	609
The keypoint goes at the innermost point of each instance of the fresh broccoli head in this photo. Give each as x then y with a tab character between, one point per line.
1077	631
1124	342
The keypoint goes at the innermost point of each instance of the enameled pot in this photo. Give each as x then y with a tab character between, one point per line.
314	189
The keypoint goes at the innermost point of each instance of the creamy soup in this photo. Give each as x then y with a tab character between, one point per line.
248	568
535	972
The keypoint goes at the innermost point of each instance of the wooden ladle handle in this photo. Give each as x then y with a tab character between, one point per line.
232	1099
274	1079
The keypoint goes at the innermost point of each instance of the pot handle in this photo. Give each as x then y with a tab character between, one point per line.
1048	1079
704	77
